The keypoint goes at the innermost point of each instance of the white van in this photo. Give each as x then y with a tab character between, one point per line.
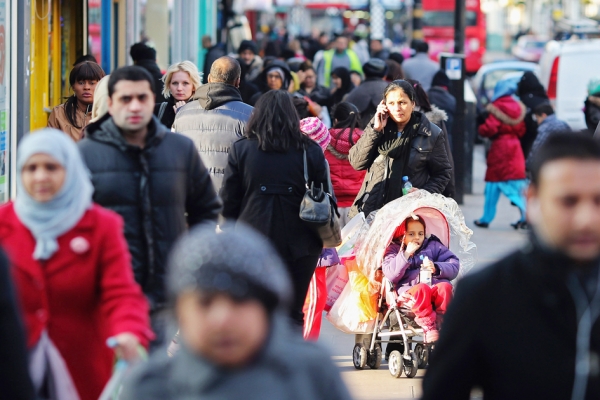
566	69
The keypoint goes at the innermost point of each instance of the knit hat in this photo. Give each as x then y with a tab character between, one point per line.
594	86
375	68
440	79
340	139
316	130
239	262
248	45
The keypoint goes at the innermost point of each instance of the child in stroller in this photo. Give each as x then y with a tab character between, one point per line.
410	251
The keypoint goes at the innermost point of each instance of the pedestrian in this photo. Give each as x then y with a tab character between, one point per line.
309	87
346	180
394	71
398	57
531	93
264	186
340	56
399	141
181	83
75	113
547	124
154	179
440	96
248	54
592	105
420	67
72	272
100	106
213	52
550	288
144	56
356	78
504	125
275	76
341	86
367	96
15	382
377	49
236	342
217	118
247	88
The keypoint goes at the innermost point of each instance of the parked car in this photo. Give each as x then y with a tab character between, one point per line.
565	70
529	48
485	79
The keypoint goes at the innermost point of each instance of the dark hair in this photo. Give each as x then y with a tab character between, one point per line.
544	108
141	51
419	46
129	73
422	100
85	71
86	57
394	71
301	105
564	145
227	70
347	116
305	66
398	57
405	86
419	219
275	123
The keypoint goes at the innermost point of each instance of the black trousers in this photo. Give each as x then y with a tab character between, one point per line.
301	271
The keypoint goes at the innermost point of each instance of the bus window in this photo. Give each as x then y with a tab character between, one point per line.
446	18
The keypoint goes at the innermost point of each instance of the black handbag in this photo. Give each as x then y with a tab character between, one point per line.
319	210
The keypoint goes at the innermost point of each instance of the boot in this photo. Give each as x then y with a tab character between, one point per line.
430	331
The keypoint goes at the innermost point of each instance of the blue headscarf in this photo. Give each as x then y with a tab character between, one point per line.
49	220
506	87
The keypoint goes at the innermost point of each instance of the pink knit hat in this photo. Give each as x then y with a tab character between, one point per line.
316	130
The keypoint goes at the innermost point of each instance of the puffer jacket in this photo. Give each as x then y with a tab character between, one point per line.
404	273
159	191
346	180
505	126
214	122
428	168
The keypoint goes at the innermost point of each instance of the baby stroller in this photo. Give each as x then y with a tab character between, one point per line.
393	324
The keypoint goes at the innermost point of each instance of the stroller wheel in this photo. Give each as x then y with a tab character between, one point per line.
411	367
359	356
422	353
395	364
374	359
391	347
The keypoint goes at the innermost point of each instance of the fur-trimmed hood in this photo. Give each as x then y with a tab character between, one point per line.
436	115
505	110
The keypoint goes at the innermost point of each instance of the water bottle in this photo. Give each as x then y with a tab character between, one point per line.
407	185
425	274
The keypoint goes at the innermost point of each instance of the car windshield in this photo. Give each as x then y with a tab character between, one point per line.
446	18
492	78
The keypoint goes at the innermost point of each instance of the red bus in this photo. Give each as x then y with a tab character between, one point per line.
438	30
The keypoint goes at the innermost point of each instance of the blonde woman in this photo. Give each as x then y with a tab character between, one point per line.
100	106
182	80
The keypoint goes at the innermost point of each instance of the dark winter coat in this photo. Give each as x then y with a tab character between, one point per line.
504	125
443	100
366	97
532	94
168	116
319	95
159	191
404	273
152	67
486	340
212	54
213	122
592	112
440	118
287	368
428	167
264	190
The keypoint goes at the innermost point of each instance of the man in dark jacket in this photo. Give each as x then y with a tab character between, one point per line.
527	327
145	56
369	93
217	118
440	96
213	52
154	179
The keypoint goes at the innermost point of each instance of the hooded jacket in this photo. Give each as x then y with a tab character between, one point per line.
159	191
261	79
366	97
214	122
504	126
346	180
428	166
152	67
440	118
532	94
445	101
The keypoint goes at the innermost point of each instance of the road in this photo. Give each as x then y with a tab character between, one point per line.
492	243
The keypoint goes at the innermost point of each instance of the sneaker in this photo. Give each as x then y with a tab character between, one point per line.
432	336
481	224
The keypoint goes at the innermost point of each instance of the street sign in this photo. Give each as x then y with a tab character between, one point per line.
454	68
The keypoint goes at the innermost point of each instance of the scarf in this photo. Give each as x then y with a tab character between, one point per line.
398	149
49	220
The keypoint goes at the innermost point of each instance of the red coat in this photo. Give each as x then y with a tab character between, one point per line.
82	295
504	126
346	180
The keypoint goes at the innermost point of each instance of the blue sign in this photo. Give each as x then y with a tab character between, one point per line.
454	68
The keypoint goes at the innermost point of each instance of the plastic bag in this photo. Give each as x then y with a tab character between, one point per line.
336	280
315	304
344	314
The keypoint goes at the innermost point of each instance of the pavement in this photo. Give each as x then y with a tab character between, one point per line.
492	244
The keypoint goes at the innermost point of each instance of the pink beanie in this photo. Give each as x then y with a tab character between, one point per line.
316	130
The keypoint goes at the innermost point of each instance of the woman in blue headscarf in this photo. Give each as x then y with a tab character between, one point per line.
504	125
71	267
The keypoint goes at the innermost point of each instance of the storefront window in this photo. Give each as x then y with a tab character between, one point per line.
4	103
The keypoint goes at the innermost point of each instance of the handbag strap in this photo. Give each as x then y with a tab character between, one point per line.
329	188
305	169
161	110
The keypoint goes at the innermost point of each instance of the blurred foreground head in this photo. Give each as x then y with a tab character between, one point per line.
226	288
563	200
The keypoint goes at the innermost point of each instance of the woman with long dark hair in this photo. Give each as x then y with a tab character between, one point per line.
75	113
264	185
399	141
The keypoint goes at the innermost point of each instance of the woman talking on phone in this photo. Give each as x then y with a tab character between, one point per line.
399	141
